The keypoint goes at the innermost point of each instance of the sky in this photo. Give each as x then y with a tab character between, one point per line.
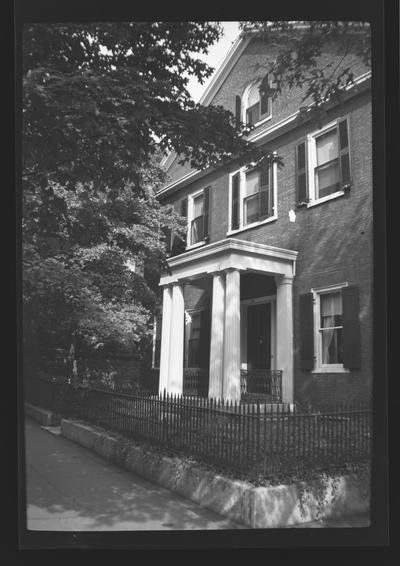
214	57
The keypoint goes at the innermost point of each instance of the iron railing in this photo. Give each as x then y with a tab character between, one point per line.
258	440
261	384
195	382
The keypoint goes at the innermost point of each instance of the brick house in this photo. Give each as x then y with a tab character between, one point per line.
271	296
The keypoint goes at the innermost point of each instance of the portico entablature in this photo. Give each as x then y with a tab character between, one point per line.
230	253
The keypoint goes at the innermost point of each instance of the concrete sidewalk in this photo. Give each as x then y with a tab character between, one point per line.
72	489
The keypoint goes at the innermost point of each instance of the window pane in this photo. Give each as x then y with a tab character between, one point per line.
254	95
331	310
251	209
253	114
327	180
197	232
332	346
327	147
252	183
198	206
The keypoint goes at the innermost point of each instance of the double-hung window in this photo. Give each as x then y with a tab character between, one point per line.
330	329
323	164
255	105
198	217
197	220
252	196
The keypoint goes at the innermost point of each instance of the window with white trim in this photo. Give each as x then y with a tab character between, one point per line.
256	104
323	164
198	217
328	328
252	196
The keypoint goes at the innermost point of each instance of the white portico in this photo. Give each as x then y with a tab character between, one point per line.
225	261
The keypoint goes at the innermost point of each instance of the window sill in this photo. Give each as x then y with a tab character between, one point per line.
325	199
263	121
196	245
253	225
331	369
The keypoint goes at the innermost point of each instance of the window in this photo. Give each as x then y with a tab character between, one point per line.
256	104
197	338
252	196
330	336
198	217
331	328
323	164
194	341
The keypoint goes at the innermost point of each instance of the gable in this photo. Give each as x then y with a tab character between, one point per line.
247	61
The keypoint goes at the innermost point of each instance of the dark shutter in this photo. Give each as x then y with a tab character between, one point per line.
206	214
179	245
184	204
344	153
301	173
266	190
238	110
204	351
307	331
351	328
168	240
264	98
235	201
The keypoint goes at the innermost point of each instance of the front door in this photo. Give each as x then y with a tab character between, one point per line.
259	336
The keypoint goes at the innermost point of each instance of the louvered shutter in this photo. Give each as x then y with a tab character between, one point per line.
351	328
264	98
235	201
206	214
168	240
238	110
266	192
301	173
307	331
344	153
178	245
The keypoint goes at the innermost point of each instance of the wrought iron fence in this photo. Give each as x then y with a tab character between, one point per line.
258	440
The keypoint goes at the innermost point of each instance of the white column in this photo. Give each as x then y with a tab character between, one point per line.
175	374
217	336
231	370
165	338
284	335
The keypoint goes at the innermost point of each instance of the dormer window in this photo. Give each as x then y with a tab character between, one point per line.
255	106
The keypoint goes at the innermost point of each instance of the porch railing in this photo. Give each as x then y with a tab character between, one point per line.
195	382
261	382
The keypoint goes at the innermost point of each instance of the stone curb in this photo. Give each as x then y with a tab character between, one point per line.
42	416
256	507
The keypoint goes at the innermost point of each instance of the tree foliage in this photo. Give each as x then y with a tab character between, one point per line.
100	102
298	61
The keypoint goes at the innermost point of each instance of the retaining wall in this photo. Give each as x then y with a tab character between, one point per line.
256	507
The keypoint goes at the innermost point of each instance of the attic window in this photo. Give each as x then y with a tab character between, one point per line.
256	105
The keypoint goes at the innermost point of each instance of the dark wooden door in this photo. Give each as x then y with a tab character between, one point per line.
259	336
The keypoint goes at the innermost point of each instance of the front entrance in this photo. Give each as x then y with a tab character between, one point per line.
259	336
258	349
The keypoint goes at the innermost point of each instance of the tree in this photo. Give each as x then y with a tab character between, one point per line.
100	101
299	62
